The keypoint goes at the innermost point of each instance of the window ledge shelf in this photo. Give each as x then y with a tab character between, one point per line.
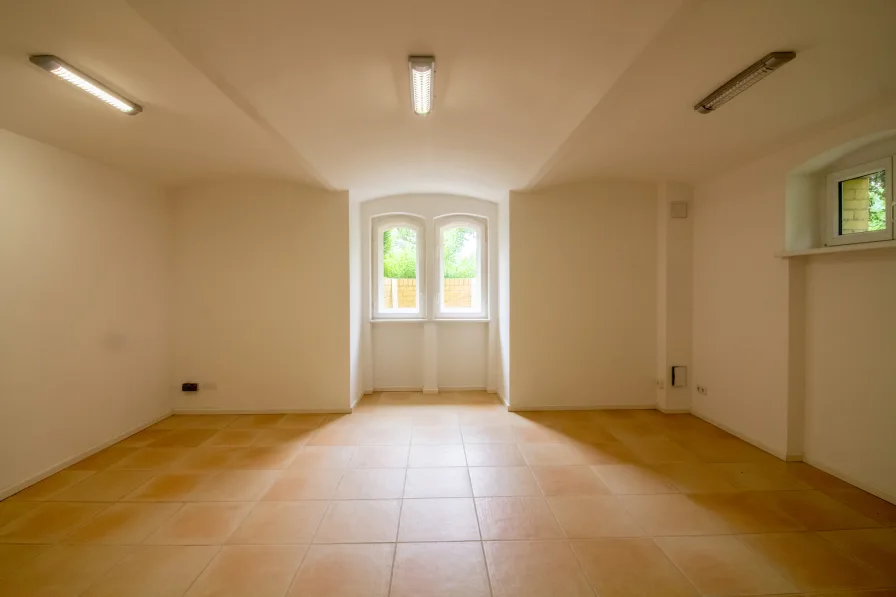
885	244
438	320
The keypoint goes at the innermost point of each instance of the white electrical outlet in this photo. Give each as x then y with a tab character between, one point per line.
701	390
660	384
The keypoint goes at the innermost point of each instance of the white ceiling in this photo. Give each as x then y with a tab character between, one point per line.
527	93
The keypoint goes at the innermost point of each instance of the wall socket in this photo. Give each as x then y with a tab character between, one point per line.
660	384
701	390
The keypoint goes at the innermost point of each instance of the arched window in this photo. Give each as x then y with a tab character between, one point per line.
398	247
462	277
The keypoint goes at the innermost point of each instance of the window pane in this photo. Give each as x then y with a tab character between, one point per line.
863	206
399	269
460	255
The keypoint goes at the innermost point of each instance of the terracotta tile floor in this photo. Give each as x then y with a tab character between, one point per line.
446	495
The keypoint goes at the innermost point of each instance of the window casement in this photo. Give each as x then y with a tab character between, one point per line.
462	267
860	204
399	267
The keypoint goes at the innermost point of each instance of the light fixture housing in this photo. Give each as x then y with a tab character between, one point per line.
423	72
67	72
743	81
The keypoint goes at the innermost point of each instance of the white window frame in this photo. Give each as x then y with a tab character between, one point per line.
480	225
833	235
381	224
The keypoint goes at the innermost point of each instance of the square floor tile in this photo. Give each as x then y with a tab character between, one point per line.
633	479
569	480
151	459
513	518
49	522
62	571
257	421
747	512
14	557
184	438
816	511
249	571
486	434
359	521
103	486
124	524
723	566
535	569
440	570
863	502
233	486
168	487
234	438
52	485
661	515
10	510
154	571
366	484
201	524
438	519
436	434
336	436
437	455
143	438
695	477
279	523
875	547
304	484
379	457
363	570
327	457
593	516
301	421
437	482
630	568
493	455
283	437
389	435
813	564
104	458
498	481
604	453
761	477
659	450
547	454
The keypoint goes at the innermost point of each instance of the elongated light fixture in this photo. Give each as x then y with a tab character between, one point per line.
67	72
743	81
423	70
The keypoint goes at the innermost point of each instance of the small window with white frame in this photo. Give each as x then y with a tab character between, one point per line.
860	204
462	258
398	244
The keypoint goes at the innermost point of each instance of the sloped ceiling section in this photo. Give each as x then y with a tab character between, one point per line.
189	130
528	93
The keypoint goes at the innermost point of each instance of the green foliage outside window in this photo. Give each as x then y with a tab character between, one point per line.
400	253
877	215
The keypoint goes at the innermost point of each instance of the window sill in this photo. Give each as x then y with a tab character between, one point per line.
438	320
883	244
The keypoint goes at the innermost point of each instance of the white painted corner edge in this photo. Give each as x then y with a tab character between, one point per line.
13	489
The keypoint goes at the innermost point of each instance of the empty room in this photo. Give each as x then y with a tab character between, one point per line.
582	298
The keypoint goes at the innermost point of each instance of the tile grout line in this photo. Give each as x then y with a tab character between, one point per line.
488	574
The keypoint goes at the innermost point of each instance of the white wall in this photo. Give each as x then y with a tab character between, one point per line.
584	296
502	382
85	264
355	309
262	297
850	373
768	332
432	354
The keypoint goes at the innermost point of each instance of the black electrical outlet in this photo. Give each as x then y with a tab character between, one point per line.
189	387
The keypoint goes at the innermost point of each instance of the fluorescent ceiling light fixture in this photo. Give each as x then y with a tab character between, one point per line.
67	72
423	70
743	81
